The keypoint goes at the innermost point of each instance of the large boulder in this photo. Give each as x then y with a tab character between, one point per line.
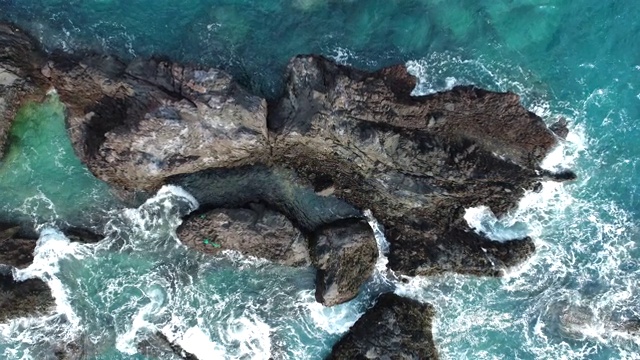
259	232
344	254
394	328
416	162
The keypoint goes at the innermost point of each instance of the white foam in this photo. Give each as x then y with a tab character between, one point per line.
51	247
336	319
252	335
198	342
381	242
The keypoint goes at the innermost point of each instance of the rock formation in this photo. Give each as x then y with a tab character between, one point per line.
416	162
22	298
15	250
344	253
337	142
259	232
139	123
395	328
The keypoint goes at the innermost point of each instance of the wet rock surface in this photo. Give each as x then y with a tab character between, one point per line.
22	298
345	254
138	123
258	232
394	328
15	250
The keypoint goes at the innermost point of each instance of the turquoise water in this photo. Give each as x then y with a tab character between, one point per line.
579	60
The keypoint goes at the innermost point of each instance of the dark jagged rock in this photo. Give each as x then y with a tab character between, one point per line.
22	298
560	128
15	251
416	162
395	328
258	232
159	346
345	254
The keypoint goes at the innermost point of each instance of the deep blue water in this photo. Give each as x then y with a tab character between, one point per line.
579	59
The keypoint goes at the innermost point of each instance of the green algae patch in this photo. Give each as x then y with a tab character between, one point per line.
40	175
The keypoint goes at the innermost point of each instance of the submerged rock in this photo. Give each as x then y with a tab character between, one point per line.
394	328
345	254
560	128
22	298
258	232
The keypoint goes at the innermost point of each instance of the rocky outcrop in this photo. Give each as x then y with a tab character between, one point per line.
337	142
137	124
416	162
19	64
259	232
395	328
22	298
344	254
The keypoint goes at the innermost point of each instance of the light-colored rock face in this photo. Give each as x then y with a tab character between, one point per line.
180	137
141	123
7	78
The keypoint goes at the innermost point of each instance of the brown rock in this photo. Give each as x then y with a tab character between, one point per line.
344	254
19	60
136	125
263	233
22	298
395	328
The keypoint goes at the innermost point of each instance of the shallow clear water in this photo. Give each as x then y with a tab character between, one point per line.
574	59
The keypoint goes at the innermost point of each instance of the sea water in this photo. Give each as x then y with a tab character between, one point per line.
578	60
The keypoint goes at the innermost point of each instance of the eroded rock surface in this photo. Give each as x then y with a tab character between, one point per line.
394	328
345	254
158	346
337	142
416	162
258	232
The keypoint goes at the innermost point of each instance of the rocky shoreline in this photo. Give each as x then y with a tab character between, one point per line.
288	179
